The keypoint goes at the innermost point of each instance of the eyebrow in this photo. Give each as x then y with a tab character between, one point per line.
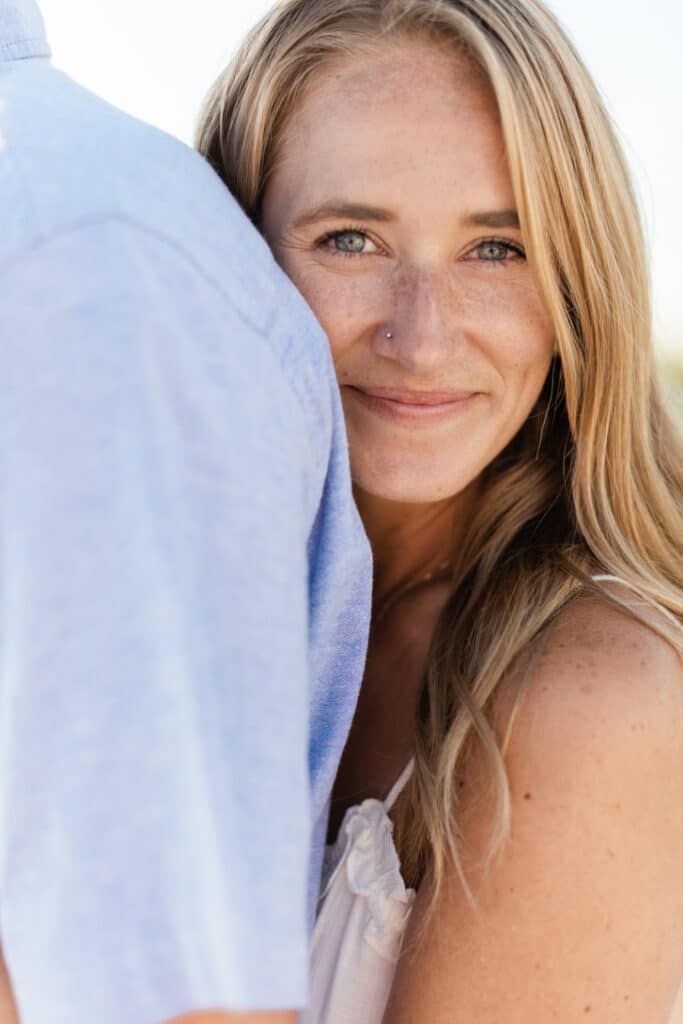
494	219
339	208
343	210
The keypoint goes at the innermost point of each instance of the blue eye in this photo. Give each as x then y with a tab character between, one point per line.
496	252
349	241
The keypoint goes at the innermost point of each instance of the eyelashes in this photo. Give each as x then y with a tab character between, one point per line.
350	236
356	243
497	250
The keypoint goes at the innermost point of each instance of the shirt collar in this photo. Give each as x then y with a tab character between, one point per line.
22	31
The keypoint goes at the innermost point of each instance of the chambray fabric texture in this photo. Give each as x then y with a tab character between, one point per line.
184	581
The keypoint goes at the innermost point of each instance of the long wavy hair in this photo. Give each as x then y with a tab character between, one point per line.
593	482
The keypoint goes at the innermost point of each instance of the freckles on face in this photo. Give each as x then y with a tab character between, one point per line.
341	299
392	209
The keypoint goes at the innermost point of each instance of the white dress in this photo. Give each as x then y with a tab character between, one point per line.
364	910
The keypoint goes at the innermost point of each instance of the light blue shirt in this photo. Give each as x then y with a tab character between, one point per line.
184	581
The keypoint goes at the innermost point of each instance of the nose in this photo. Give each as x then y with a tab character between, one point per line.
422	330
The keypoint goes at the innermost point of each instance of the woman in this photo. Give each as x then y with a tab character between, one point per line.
440	180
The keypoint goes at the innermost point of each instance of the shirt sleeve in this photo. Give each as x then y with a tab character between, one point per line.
154	791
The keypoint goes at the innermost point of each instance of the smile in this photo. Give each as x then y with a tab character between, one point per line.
413	407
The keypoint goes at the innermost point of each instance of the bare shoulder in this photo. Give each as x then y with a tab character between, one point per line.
582	910
600	719
592	636
600	677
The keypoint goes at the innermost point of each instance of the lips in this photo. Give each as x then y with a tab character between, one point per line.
412	397
411	407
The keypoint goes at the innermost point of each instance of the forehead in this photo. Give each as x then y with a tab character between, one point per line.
405	118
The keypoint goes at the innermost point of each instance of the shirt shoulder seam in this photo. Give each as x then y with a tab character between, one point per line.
43	239
24	49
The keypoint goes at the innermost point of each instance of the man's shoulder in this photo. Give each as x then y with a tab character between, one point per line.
73	165
70	159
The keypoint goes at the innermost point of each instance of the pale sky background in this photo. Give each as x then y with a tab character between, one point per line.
157	58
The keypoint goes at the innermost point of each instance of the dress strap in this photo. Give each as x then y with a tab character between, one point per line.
607	578
400	784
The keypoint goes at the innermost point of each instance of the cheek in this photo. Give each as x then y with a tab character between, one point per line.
516	335
345	305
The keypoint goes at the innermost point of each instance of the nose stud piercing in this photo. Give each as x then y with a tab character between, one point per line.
389	335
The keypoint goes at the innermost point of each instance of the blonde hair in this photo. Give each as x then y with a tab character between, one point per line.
594	480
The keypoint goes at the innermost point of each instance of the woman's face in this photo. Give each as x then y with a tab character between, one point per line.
391	208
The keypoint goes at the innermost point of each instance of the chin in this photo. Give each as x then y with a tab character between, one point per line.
406	483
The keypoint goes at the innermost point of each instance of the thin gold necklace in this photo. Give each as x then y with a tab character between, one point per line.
380	610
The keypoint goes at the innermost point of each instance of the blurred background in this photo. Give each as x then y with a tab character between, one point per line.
157	59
